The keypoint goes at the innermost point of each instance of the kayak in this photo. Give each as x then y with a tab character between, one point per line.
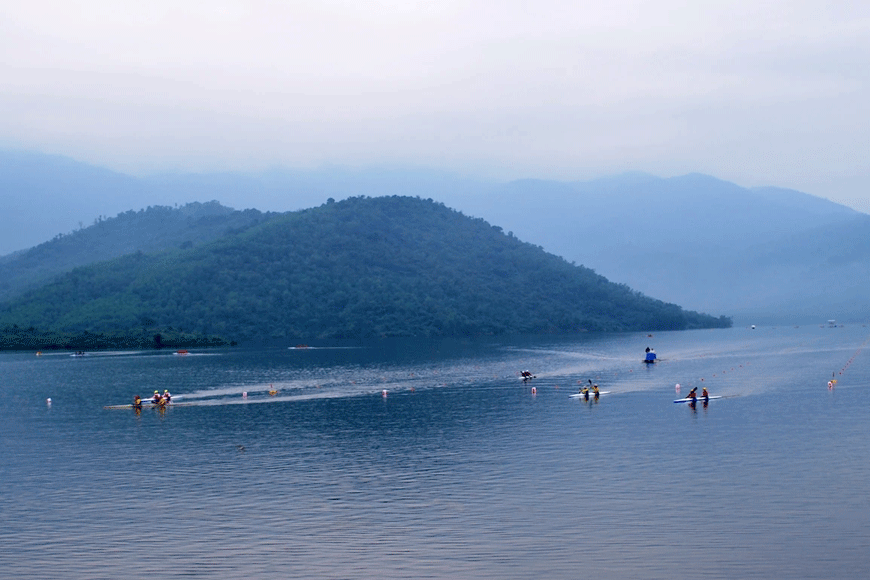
591	395
701	399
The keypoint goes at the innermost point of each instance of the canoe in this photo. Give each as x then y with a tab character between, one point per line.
701	399
591	395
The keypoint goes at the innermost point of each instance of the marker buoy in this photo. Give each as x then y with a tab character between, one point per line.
48	401
245	395
534	391
384	393
677	387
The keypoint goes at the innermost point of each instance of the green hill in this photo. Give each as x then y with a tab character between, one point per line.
148	230
392	266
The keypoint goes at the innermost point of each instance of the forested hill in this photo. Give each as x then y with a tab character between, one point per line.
392	266
148	230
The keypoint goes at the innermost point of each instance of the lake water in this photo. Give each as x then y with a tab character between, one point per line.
460	471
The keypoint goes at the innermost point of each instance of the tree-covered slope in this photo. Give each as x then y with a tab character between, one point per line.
149	230
360	267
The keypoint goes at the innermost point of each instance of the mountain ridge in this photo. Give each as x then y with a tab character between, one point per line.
688	240
362	267
693	240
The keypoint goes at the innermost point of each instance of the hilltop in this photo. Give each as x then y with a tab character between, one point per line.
391	266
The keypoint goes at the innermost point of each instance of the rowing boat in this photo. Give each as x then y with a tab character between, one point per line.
142	406
148	405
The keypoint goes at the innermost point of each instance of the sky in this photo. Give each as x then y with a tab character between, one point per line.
751	91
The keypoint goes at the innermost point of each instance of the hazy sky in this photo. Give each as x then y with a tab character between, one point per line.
756	92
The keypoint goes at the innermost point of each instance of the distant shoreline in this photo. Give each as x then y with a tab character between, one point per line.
14	338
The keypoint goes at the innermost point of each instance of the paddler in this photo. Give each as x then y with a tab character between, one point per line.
167	397
156	398
137	402
595	391
585	392
692	394
705	395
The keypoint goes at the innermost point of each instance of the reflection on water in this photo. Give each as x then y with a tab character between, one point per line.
460	471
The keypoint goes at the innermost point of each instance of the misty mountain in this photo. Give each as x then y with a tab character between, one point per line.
758	254
763	254
46	195
821	270
289	190
387	266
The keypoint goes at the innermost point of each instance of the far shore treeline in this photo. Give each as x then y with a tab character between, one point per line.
362	267
12	337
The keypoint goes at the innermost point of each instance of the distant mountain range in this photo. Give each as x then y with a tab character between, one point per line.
762	255
47	195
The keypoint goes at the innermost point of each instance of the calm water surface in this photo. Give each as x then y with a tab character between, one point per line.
460	471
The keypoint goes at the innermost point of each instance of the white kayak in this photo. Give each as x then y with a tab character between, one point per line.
702	399
591	394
